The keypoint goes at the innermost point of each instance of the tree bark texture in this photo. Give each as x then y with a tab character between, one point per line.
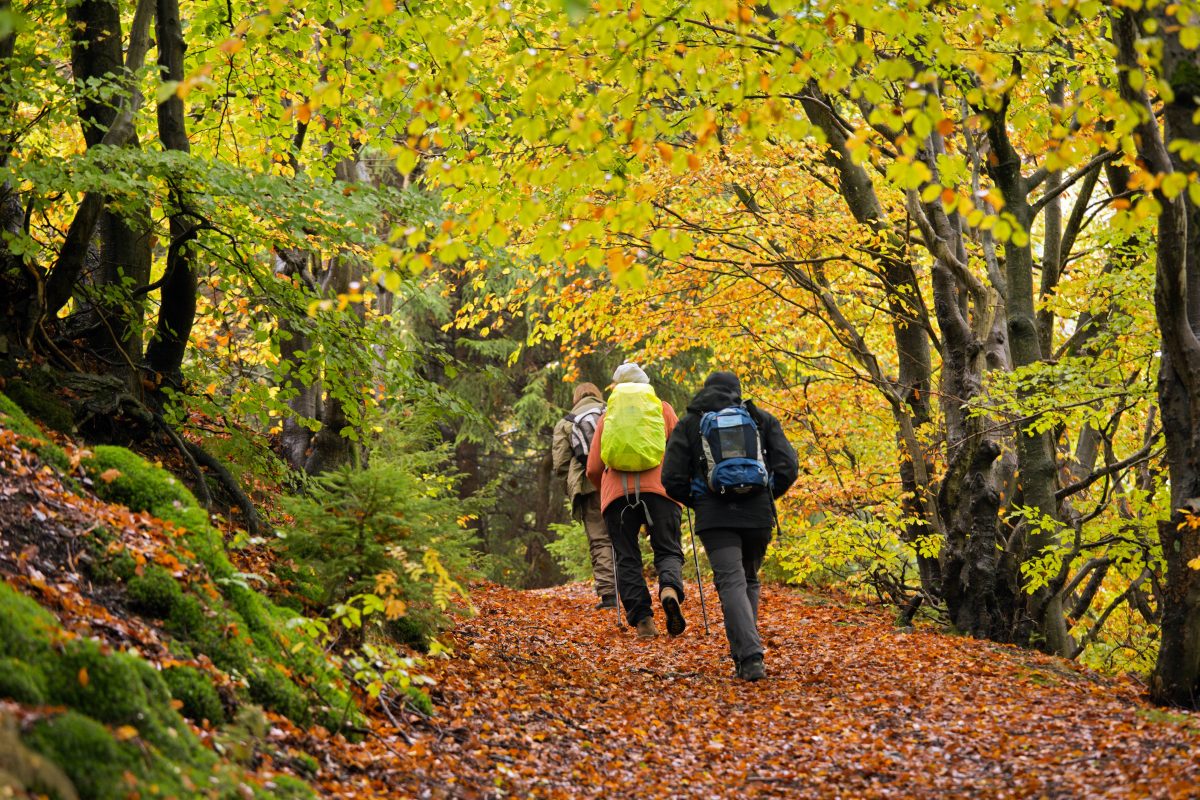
113	316
1035	451
1176	678
177	303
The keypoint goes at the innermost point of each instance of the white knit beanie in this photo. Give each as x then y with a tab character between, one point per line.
630	372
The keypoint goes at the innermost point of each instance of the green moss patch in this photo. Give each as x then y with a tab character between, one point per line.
13	417
137	483
155	592
121	735
43	405
88	752
196	692
242	631
25	627
22	682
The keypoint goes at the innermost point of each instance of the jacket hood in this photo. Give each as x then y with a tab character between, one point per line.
586	402
714	398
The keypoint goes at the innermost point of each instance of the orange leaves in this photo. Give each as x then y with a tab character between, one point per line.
110	475
540	690
82	677
124	733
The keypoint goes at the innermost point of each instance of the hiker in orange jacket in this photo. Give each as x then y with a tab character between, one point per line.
629	501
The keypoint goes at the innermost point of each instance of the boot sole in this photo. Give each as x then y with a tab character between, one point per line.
675	621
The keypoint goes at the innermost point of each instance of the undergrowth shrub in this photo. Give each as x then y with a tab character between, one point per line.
390	538
569	548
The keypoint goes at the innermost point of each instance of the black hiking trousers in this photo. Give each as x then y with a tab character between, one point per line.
625	519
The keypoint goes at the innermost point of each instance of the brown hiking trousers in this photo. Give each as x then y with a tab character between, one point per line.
599	545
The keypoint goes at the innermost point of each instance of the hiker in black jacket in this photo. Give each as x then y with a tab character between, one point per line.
735	525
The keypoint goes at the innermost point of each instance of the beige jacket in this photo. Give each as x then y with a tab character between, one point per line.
566	466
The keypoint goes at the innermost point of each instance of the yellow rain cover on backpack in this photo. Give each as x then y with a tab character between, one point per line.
635	434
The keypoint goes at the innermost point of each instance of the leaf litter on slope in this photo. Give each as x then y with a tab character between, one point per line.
545	697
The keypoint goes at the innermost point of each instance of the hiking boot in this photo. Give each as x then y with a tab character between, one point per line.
752	669
607	601
670	604
646	629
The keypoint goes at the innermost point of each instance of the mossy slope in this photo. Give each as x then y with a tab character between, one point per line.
213	610
121	735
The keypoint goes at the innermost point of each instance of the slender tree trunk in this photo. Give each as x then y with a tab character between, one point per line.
112	316
1035	451
177	307
61	280
330	447
910	336
19	289
304	388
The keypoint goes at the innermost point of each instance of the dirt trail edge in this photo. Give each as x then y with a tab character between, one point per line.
545	697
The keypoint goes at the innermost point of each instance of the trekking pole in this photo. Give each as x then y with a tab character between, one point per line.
616	580
696	558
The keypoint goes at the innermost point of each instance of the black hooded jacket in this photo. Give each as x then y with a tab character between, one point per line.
684	462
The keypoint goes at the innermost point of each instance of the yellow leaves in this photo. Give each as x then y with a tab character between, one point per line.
909	173
665	151
707	126
232	46
1191	521
198	78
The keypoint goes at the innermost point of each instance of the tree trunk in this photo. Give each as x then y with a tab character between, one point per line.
177	306
910	336
113	317
97	21
330	447
1035	451
304	388
19	290
1176	678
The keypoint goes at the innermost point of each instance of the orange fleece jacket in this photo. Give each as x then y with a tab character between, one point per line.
608	481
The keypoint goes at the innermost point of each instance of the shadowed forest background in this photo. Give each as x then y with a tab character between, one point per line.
292	297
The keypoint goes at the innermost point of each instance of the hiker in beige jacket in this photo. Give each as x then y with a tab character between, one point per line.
571	442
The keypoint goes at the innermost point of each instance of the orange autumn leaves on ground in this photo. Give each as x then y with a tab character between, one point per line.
544	697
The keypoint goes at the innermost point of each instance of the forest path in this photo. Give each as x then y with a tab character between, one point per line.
546	697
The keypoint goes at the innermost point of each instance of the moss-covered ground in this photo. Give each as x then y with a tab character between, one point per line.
118	724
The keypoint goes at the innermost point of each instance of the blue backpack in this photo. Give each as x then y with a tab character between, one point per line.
733	453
